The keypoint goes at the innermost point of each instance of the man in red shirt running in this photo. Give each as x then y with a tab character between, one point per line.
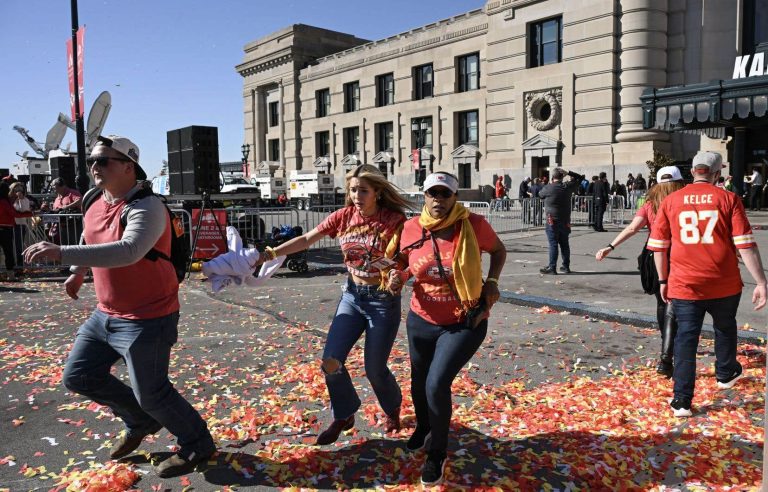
704	226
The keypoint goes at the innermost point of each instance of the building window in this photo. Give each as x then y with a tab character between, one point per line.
384	137
274	116
545	40
351	140
322	144
468	127
274	149
755	26
351	97
421	132
385	90
323	100
465	175
423	83
469	72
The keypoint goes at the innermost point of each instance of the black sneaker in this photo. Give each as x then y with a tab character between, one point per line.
665	368
434	468
548	271
681	407
565	269
418	439
729	382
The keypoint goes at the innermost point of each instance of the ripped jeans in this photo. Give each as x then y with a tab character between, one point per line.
363	309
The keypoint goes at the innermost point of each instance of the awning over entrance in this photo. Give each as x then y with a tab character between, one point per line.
707	108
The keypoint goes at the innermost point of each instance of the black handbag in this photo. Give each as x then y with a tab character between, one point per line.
474	314
649	278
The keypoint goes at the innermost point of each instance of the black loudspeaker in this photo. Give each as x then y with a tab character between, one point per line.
63	167
193	160
37	183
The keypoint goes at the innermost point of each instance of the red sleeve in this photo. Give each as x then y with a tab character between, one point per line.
643	212
331	225
661	234
486	236
740	227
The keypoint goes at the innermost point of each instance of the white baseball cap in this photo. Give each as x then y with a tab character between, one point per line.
672	173
442	179
126	147
711	160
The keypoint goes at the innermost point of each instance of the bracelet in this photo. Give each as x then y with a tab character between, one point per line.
270	253
611	246
662	282
493	280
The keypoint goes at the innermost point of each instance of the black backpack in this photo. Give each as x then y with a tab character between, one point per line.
179	245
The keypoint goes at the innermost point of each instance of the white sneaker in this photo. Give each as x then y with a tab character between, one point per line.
681	407
730	382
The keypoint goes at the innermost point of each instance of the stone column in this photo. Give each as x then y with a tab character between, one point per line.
642	26
739	159
281	106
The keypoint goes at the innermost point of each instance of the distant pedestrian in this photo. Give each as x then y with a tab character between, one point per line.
599	201
137	315
373	216
630	187
524	194
23	205
500	193
670	180
536	201
444	247
755	189
557	206
639	188
695	238
8	217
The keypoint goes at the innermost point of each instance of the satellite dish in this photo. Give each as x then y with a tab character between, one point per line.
65	119
98	117
55	136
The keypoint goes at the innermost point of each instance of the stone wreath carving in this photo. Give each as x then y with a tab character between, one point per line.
543	109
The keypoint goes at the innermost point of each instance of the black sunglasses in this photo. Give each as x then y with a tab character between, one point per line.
439	193
103	161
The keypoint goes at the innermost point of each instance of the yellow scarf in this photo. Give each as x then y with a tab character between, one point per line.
467	269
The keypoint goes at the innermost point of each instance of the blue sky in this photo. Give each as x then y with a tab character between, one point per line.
167	63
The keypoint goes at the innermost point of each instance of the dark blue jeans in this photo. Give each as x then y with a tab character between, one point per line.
690	317
437	355
145	345
557	234
363	309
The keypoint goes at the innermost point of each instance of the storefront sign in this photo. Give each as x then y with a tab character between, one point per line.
757	66
211	241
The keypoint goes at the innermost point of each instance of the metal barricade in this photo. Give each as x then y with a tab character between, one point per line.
59	229
313	217
583	210
257	224
514	214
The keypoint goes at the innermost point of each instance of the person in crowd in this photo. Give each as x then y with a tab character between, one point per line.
67	229
523	193
720	182
500	193
443	248
599	201
137	315
544	179
8	216
374	214
728	186
23	205
557	207
755	181
67	199
536	203
669	180
630	184
639	187
695	238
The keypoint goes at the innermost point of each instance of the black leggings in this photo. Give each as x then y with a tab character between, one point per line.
6	242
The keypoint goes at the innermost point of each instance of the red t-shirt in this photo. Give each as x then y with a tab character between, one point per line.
71	196
432	298
646	212
363	240
145	290
704	225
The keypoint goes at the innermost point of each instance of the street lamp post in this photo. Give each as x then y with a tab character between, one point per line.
246	150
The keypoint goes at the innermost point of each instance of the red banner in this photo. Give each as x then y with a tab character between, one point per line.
211	241
71	73
416	159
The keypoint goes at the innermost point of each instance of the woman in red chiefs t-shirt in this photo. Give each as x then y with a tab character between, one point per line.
373	215
443	248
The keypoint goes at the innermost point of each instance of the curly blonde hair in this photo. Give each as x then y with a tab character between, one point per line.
389	197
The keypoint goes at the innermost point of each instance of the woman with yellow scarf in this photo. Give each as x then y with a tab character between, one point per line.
450	305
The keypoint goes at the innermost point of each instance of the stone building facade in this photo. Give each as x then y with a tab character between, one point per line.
513	88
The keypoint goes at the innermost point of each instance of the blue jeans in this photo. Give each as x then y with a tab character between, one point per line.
145	345
557	234
363	309
690	317
437	355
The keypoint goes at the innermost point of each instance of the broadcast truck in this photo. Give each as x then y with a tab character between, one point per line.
308	188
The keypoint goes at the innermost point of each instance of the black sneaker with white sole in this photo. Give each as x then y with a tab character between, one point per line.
434	468
729	382
418	439
681	407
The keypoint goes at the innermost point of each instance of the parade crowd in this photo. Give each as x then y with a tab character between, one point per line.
697	233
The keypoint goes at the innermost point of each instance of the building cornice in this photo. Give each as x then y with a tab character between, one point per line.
496	6
265	63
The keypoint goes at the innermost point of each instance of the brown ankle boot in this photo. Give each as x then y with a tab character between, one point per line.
331	434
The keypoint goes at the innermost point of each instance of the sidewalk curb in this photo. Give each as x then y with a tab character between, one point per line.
633	319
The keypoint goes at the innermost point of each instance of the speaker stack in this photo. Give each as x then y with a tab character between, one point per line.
63	167
193	160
